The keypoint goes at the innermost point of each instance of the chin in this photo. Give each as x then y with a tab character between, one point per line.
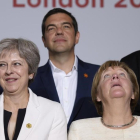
117	94
10	90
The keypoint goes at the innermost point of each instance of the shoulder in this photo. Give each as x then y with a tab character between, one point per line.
85	129
87	67
42	68
48	105
51	118
53	112
138	119
45	105
131	56
81	62
47	102
85	124
51	109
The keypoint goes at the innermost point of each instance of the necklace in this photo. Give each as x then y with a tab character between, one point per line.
117	126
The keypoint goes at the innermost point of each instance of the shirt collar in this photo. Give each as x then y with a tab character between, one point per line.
75	66
54	68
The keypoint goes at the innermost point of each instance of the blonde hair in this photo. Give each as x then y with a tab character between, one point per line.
97	78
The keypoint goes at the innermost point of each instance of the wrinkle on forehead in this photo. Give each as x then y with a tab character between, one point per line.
59	18
8	52
114	67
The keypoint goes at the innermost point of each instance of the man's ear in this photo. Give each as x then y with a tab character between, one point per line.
77	37
43	39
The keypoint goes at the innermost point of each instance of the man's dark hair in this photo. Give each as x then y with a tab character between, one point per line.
55	11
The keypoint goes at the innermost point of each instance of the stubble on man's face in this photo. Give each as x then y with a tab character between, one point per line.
60	34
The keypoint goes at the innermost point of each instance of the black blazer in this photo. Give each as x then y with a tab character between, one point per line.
133	61
44	86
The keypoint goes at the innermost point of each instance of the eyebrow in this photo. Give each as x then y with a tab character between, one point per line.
12	61
61	24
2	61
67	23
120	69
50	25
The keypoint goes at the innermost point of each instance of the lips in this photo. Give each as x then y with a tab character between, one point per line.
11	79
116	85
59	39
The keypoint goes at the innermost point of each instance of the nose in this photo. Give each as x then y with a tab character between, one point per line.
59	31
9	70
115	76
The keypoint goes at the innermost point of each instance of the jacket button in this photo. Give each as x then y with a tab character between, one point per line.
28	125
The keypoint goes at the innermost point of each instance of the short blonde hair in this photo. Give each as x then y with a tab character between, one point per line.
97	78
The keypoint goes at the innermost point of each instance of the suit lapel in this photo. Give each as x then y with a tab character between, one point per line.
31	117
2	136
82	86
48	81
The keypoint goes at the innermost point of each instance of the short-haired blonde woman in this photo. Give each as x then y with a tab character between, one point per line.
115	92
24	115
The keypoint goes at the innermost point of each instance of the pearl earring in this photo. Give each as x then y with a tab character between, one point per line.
30	77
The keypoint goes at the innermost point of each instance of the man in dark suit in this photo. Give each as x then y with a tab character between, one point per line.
133	61
65	78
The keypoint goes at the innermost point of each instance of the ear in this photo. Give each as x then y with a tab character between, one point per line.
98	98
132	97
77	37
31	76
43	39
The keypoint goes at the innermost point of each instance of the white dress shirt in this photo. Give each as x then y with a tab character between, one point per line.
66	85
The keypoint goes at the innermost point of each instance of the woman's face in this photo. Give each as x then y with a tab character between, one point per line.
13	73
115	84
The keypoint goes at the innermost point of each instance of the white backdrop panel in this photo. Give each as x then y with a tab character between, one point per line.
106	32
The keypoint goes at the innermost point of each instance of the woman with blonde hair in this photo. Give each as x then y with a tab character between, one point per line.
115	93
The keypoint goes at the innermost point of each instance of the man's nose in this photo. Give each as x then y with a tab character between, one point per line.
115	76
59	31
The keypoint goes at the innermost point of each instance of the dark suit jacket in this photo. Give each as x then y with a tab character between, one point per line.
44	86
133	61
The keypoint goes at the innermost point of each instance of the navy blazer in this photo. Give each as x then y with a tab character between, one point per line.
43	85
133	61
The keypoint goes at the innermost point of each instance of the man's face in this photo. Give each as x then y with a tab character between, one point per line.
59	34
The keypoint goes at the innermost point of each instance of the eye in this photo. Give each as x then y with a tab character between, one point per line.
2	65
51	28
66	26
17	64
106	76
122	74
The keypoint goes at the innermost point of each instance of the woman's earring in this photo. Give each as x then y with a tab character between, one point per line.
30	77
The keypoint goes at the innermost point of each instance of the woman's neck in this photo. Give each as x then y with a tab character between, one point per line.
117	114
15	102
